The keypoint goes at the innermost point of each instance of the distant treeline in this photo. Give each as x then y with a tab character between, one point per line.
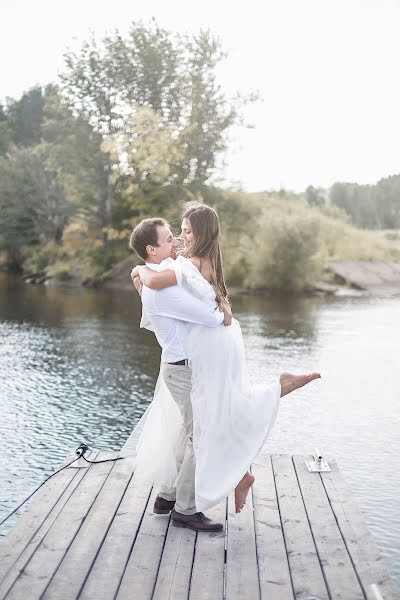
134	127
368	206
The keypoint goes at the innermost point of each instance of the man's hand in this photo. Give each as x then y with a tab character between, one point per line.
137	283
134	273
225	307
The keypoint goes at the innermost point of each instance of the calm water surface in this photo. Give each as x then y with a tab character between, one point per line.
75	367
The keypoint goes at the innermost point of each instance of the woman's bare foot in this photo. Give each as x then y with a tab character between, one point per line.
241	491
290	382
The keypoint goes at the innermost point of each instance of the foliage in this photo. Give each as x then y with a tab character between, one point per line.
33	207
289	252
285	245
135	128
5	131
107	83
370	206
25	117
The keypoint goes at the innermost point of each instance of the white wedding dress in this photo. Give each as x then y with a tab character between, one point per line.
231	418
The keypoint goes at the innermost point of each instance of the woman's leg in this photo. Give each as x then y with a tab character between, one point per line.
289	382
242	489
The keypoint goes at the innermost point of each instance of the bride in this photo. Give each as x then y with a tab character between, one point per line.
231	418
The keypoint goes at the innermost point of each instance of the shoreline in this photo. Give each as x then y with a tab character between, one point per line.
341	278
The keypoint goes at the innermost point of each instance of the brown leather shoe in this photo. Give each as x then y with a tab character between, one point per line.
198	522
162	506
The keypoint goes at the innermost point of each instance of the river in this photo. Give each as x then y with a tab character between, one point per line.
76	367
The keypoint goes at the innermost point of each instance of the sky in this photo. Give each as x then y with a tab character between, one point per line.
327	70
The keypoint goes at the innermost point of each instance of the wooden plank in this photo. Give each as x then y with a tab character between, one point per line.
106	573
20	535
173	580
93	538
241	554
209	560
80	556
305	568
34	542
141	571
273	567
361	546
339	574
39	571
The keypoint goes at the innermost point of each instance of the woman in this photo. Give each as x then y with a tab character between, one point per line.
231	418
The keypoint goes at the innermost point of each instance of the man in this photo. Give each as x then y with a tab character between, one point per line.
168	310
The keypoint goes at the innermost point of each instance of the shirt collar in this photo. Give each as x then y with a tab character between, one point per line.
162	266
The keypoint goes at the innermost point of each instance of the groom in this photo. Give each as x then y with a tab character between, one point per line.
168	310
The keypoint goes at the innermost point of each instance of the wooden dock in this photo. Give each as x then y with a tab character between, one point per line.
90	533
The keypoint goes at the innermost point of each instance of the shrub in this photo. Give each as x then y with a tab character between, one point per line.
64	275
288	250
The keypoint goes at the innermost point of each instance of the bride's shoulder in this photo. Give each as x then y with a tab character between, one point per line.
195	269
189	264
196	262
203	266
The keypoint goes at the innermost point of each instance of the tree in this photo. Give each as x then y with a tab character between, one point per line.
32	201
370	206
5	131
388	200
149	71
88	85
315	196
26	116
209	114
108	83
75	153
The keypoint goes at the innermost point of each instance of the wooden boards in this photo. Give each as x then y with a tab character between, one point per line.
91	534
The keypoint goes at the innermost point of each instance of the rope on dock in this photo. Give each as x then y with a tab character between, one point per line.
80	451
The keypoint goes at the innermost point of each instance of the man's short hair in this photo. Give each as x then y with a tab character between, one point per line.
145	234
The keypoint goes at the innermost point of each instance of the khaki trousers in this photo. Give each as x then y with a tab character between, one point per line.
178	379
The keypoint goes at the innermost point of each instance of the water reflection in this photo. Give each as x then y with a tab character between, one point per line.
287	316
76	367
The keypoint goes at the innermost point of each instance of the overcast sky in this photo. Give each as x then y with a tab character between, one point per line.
328	72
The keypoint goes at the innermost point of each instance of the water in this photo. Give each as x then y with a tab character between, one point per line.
75	367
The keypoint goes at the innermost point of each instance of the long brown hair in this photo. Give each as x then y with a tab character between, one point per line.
204	222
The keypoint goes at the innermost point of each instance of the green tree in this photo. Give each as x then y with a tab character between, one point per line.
370	206
76	154
107	83
5	131
26	117
315	196
210	115
148	70
89	87
388	201
289	250
32	200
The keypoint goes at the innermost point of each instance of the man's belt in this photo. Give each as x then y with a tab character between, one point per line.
184	361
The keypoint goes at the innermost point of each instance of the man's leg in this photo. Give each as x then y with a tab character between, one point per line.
167	492
178	381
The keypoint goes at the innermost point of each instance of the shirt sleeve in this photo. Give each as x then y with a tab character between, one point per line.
145	322
176	303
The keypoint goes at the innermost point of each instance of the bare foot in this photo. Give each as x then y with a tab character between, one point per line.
241	491
290	382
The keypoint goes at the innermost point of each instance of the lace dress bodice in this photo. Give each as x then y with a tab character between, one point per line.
190	278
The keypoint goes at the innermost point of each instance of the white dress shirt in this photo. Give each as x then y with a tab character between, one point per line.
167	311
